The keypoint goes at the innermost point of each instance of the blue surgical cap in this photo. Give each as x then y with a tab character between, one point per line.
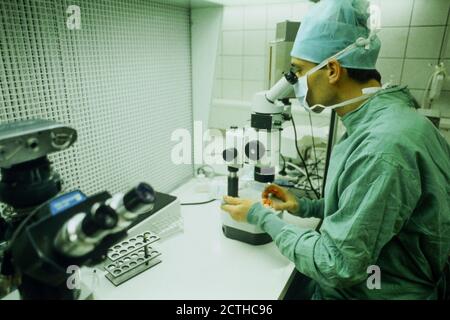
331	26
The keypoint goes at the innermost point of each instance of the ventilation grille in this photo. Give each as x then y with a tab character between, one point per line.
123	81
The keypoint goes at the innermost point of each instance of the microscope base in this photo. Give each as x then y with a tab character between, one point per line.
243	231
255	239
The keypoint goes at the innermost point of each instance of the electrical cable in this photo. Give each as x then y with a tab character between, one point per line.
314	147
197	203
283	170
296	168
25	221
303	160
7	253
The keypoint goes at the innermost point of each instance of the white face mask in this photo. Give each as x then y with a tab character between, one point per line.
301	92
301	87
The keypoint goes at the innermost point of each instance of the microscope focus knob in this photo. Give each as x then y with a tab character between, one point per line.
255	150
229	154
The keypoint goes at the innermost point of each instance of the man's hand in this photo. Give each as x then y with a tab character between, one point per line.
237	208
284	200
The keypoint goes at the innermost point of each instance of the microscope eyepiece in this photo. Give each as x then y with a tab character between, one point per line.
82	232
101	217
291	77
138	197
229	154
283	88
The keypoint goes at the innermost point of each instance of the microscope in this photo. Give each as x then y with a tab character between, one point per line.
44	234
258	145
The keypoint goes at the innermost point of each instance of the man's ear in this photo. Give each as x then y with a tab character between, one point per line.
335	71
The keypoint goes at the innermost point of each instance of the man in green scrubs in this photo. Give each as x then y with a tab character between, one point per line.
387	196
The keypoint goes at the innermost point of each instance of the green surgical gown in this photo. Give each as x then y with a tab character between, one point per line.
387	203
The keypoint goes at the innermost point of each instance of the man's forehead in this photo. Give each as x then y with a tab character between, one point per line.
298	62
302	64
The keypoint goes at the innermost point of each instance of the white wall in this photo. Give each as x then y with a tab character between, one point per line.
241	69
205	28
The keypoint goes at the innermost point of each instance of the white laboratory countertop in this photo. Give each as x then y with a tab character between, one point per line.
201	263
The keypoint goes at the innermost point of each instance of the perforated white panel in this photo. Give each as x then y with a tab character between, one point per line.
123	81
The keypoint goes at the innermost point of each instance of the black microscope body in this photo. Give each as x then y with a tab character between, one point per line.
42	235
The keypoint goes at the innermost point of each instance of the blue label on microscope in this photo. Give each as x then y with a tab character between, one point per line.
66	201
